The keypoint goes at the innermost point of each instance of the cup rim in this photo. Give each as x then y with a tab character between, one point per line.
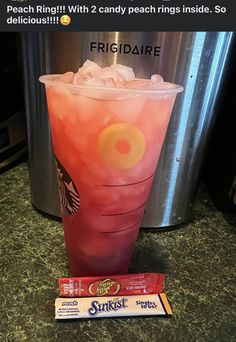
47	81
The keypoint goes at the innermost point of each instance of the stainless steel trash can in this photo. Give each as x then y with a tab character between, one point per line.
196	60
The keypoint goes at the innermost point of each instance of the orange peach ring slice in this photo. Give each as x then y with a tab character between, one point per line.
121	145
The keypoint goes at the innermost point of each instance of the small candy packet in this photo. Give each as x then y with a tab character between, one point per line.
120	306
122	285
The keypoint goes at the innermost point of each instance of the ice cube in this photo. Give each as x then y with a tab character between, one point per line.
157	79
166	85
94	81
128	109
89	67
115	76
80	79
60	102
139	84
109	72
111	83
68	77
126	72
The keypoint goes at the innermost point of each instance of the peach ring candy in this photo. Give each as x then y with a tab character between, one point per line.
121	145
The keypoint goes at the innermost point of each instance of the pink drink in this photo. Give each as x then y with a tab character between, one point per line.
107	142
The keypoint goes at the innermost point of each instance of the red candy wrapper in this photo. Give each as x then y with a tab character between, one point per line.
122	285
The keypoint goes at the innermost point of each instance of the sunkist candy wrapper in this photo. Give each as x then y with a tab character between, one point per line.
122	285
118	306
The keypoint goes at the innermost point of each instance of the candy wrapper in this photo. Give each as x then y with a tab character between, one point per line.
122	285
119	306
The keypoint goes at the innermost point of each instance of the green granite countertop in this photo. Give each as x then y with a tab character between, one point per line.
198	258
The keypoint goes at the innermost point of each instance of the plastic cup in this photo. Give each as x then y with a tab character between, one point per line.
106	142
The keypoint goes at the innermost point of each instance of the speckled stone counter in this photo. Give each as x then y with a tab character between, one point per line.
198	258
